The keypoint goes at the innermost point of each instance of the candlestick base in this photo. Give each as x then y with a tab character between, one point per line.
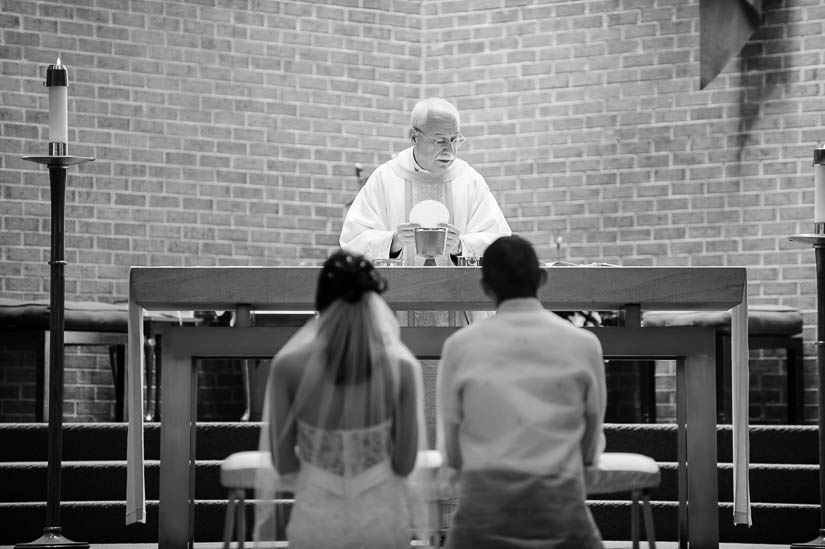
53	538
818	542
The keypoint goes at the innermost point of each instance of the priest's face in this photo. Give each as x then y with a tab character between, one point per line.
436	142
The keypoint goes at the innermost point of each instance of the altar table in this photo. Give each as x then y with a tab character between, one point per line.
630	289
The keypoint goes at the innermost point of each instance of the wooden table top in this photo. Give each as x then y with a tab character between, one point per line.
440	288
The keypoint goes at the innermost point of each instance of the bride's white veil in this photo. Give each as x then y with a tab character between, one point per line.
351	358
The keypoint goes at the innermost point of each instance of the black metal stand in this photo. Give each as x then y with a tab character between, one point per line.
818	242
53	533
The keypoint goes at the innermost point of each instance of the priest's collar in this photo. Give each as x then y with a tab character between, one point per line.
405	166
416	166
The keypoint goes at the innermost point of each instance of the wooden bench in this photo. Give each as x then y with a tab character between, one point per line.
769	327
86	324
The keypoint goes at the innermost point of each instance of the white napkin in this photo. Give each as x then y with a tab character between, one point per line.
135	486
740	405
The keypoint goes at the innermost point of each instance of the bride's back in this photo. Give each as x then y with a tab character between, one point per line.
324	403
344	452
343	413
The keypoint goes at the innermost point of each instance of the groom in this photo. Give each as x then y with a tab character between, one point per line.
521	401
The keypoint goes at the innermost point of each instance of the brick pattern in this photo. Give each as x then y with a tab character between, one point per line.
17	383
220	390
223	134
88	393
227	131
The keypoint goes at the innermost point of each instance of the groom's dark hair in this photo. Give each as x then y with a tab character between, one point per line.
510	268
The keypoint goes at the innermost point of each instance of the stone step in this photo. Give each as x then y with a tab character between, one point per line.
791	444
784	482
106	480
103	522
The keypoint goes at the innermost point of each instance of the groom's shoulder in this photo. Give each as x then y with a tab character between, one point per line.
478	329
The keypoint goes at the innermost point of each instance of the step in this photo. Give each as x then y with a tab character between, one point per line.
103	522
107	441
792	444
26	482
784	481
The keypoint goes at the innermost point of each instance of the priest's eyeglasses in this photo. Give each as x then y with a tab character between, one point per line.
444	142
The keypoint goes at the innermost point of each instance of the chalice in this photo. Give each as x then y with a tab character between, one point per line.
430	243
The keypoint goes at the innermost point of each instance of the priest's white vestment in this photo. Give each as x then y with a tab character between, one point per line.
385	201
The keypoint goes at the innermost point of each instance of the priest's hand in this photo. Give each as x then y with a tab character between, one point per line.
404	234
453	246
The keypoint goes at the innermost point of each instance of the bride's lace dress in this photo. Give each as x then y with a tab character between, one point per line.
346	493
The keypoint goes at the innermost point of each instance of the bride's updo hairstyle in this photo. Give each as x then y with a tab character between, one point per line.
348	330
346	276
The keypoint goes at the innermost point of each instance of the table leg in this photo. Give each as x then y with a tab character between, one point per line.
179	376
244	318
149	358
694	349
703	490
696	384
158	376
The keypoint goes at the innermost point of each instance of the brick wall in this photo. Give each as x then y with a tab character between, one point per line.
226	132
88	395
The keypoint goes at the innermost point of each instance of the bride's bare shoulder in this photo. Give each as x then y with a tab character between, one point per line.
290	362
409	369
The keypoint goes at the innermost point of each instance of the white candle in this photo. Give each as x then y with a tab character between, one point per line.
57	80
819	184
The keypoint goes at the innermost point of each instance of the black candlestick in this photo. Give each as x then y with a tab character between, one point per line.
818	242
53	533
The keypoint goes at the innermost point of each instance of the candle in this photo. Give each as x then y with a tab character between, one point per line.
57	80
819	189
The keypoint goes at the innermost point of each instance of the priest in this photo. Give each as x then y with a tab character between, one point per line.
400	196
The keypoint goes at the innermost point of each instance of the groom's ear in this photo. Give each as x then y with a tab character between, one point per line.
542	277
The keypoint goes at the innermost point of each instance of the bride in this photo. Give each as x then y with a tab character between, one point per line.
343	421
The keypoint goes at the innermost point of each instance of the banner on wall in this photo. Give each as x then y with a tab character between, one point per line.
724	27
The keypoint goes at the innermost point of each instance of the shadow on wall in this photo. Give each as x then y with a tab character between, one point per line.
759	81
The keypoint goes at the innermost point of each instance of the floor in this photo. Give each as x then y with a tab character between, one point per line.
608	545
674	545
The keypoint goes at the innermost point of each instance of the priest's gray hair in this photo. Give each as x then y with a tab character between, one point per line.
432	107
